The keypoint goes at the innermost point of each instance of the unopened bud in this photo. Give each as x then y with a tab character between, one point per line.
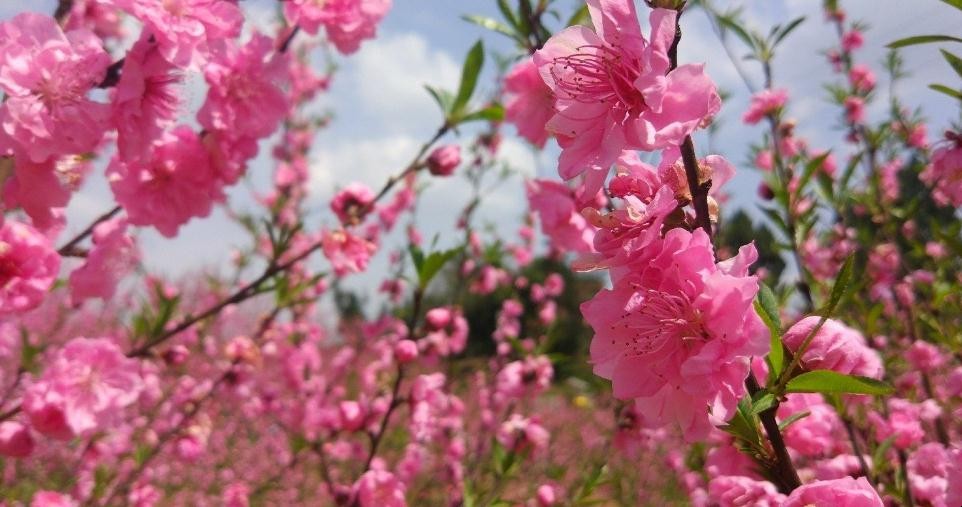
444	160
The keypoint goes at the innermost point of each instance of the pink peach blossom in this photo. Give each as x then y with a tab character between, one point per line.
529	103
944	173
145	100
347	22
765	103
176	184
246	96
184	29
347	252
554	203
45	77
444	160
28	267
676	333
351	203
846	492
835	347
87	383
612	92
380	488
114	253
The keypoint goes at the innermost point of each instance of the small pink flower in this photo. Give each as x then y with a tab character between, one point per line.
835	347
145	100
854	109
245	98
852	40
815	434
862	78
236	495
41	190
405	351
88	382
904	422
554	203
765	160
352	203
28	267
52	499
925	357
444	160
613	92
15	440
380	488
944	173
846	492
45	77
738	491
104	20
529	103
347	22
184	29
928	470
520	434
546	495
176	184
346	252
765	103
113	254
447	332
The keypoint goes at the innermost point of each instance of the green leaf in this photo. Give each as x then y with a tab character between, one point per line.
469	78
765	402
731	24
433	263
468	498
442	97
810	168
494	112
792	418
508	14
878	457
769	309
922	39
742	425
417	256
842	283
491	24
946	90
954	3
788	29
827	381
954	61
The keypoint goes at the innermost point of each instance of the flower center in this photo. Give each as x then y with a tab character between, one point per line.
663	319
599	74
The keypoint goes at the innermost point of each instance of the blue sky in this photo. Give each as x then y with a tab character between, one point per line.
383	114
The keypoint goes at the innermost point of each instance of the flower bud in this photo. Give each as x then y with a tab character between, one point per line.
444	160
765	192
405	351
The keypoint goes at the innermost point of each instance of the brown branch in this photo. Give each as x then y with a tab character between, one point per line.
782	470
70	246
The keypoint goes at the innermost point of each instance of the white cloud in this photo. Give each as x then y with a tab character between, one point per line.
383	85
